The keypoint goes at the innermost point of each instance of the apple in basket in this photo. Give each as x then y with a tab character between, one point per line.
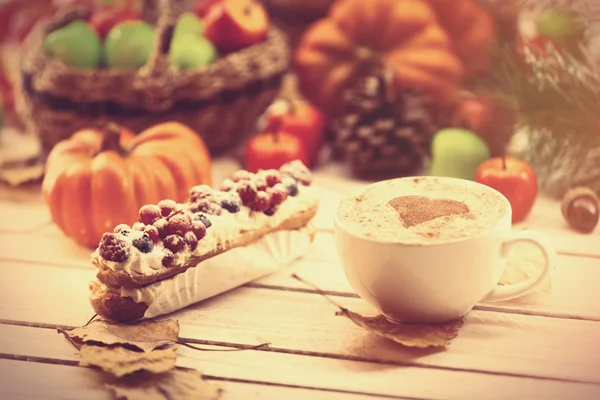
232	25
204	6
103	19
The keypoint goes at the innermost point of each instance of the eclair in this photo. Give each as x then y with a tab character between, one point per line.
135	264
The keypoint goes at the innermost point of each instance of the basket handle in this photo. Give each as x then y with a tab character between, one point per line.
156	78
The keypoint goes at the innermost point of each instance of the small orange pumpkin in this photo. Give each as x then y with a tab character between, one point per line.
405	35
98	179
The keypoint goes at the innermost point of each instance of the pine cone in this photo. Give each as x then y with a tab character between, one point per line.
380	134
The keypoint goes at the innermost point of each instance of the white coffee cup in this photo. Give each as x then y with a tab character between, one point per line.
441	281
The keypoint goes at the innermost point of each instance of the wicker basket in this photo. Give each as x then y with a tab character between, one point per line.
221	101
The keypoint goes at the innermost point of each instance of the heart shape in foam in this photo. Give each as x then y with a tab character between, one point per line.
415	210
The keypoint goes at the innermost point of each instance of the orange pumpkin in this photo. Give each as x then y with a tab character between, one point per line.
98	179
471	30
404	35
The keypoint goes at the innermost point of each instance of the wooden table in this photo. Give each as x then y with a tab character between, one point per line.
542	346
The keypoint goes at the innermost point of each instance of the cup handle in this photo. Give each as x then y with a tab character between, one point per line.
508	292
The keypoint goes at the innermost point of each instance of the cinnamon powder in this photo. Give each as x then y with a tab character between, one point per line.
415	210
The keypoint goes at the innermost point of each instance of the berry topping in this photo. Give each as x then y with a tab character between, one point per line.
206	206
278	194
262	201
271	176
167	207
290	185
204	219
260	183
161	225
271	210
227	185
199	230
125	232
247	192
168	258
175	243
191	240
149	213
152	231
231	206
200	192
298	171
121	227
178	224
113	248
144	243
241	175
138	226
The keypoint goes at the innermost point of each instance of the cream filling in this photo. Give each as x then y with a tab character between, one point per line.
225	227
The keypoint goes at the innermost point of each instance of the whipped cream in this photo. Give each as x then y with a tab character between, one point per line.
225	228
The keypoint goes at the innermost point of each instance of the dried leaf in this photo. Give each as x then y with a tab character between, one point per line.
408	335
145	336
119	361
177	384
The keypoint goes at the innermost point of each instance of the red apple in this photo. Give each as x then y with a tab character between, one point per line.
232	25
204	6
105	18
515	179
273	148
491	121
306	122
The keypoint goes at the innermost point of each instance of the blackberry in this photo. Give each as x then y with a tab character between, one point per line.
144	243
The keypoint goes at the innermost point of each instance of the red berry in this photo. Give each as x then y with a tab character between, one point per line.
168	258
167	207
227	185
278	194
200	192
112	248
199	229
271	210
152	231
260	183
178	224
247	192
161	225
149	213
191	240
241	175
120	227
272	177
262	201
175	243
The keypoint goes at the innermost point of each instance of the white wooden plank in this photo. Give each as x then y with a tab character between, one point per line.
21	380
326	373
291	321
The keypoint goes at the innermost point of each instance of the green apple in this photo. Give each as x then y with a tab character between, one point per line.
558	25
188	23
190	51
128	45
457	153
75	44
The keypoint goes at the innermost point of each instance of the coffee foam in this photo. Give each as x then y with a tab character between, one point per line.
421	211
